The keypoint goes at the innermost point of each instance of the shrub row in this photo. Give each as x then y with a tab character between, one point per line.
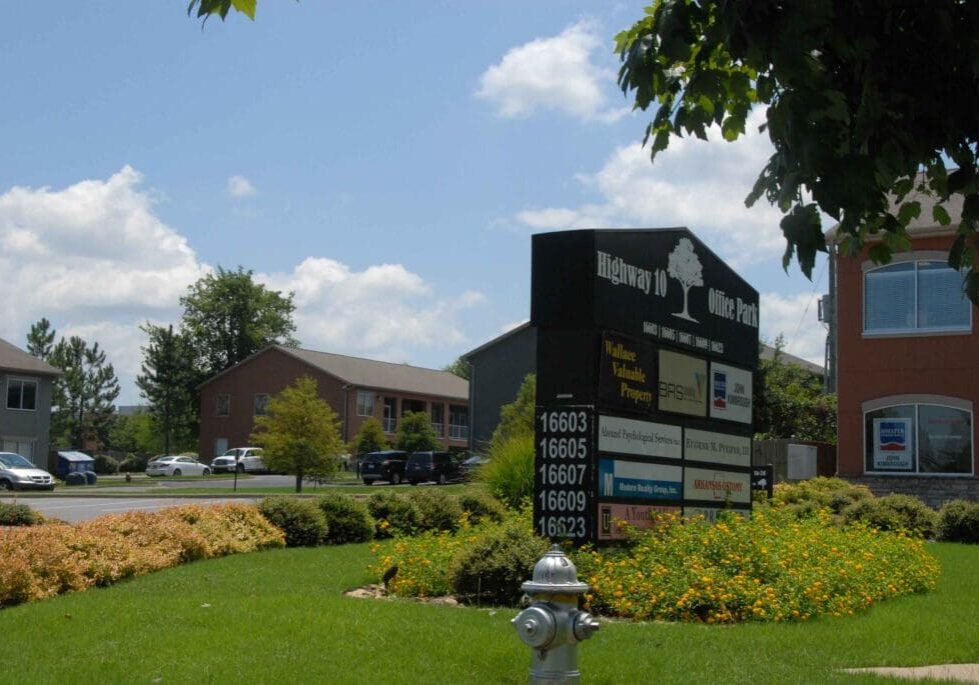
43	561
337	519
957	521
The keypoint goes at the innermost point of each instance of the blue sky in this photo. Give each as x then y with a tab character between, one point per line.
387	162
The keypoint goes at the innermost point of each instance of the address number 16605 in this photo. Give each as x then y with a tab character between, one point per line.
564	448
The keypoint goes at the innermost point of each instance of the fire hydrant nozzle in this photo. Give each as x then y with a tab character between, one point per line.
553	625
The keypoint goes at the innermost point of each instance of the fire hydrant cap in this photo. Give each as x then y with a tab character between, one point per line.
555	573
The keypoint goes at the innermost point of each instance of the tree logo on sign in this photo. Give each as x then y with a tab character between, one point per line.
684	266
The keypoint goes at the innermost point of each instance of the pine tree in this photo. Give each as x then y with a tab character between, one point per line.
40	340
167	383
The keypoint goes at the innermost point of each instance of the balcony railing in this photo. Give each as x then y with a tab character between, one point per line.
457	432
389	424
437	427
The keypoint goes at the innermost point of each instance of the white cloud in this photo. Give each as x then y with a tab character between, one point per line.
384	311
556	73
701	185
240	187
796	318
97	261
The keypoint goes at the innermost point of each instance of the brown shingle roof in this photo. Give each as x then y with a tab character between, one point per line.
14	359
369	373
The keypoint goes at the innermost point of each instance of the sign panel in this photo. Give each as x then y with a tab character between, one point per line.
564	478
892	445
682	383
639	480
663	285
627	374
763	479
641	438
716	486
730	393
612	516
717	448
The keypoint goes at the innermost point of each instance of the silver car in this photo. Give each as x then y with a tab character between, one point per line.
18	473
177	466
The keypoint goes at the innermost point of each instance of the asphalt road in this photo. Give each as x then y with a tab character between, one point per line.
73	509
256	481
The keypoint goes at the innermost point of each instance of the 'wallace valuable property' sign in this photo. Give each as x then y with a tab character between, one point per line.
646	348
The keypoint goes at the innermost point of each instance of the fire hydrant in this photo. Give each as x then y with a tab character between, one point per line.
553	625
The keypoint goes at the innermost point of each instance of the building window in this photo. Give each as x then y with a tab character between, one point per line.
365	403
21	394
22	446
918	438
438	418
913	296
261	404
222	405
458	422
390	421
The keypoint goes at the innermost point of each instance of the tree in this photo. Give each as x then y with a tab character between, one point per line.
300	434
415	433
138	433
790	402
167	382
860	95
40	339
228	317
517	417
684	266
460	367
370	438
205	8
84	394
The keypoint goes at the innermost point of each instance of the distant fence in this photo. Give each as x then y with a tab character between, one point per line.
796	458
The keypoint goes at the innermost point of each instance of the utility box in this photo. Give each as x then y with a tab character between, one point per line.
802	462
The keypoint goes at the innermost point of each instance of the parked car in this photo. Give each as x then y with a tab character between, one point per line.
18	473
388	465
243	458
471	464
177	466
440	467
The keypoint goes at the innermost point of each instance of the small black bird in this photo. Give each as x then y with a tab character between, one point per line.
388	575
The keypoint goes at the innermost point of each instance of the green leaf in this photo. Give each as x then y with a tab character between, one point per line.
939	214
908	212
804	235
246	7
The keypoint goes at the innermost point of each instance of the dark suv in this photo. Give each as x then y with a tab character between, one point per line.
389	466
440	467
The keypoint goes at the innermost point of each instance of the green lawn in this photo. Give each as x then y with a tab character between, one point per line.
279	617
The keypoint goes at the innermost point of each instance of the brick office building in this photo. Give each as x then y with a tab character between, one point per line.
355	388
907	369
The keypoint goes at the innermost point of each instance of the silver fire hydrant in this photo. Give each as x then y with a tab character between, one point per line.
553	625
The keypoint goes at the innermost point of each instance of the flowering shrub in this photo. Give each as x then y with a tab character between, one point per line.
393	514
44	561
773	567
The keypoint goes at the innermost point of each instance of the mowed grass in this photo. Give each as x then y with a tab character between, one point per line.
279	617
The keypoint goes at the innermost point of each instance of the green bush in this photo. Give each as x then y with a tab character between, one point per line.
835	494
958	521
133	463
348	519
491	569
394	514
482	506
509	474
18	515
105	465
302	522
436	510
894	512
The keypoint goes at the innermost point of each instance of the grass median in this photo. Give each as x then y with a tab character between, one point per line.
280	616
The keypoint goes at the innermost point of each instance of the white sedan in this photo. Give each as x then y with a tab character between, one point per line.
177	466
